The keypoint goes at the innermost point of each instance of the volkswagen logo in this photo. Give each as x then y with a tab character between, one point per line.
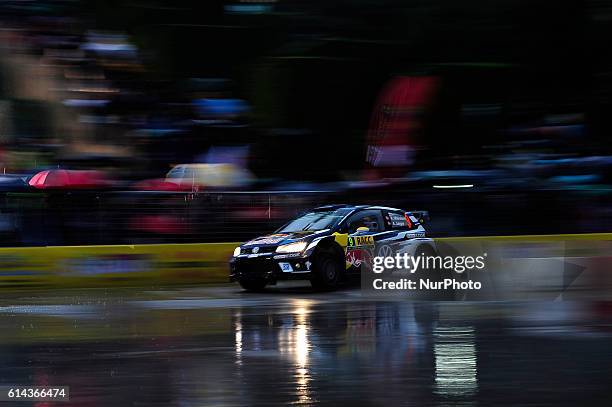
255	249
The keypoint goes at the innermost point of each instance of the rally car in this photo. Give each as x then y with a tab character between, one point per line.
328	244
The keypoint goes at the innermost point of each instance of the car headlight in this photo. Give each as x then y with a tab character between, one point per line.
237	251
296	247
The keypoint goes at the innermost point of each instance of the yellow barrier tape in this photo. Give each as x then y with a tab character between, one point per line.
87	266
160	264
531	238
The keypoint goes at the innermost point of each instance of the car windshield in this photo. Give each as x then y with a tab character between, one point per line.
317	220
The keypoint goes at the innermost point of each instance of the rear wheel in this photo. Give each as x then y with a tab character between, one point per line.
257	284
327	272
435	274
426	250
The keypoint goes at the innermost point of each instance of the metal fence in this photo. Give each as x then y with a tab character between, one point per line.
105	217
95	217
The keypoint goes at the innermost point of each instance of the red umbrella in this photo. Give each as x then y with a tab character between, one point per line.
69	179
397	121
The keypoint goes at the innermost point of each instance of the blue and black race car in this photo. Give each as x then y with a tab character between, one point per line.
328	244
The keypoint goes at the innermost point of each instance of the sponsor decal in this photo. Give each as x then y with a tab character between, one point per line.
397	220
12	261
286	267
357	257
108	264
354	258
272	239
287	256
360	241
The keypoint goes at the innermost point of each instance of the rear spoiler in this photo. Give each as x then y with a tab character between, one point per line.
421	216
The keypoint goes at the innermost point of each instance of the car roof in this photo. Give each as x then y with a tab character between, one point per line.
341	206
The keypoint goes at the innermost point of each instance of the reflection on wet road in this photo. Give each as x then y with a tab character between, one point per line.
219	346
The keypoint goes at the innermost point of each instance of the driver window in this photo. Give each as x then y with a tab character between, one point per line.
369	219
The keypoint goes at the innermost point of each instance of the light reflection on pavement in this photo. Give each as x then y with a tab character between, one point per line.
201	346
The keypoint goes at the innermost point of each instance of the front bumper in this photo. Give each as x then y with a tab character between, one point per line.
271	267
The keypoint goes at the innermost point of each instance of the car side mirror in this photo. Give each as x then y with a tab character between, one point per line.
362	229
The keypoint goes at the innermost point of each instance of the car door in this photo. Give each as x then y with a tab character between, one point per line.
361	243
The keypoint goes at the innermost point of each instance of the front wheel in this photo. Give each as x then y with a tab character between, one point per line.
326	272
257	284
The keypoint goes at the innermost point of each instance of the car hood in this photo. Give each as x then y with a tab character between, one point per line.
276	239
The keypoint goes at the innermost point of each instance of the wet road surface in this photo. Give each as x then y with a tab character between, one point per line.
219	346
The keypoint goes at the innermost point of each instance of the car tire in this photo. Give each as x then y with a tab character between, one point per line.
257	284
425	250
435	274
326	272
